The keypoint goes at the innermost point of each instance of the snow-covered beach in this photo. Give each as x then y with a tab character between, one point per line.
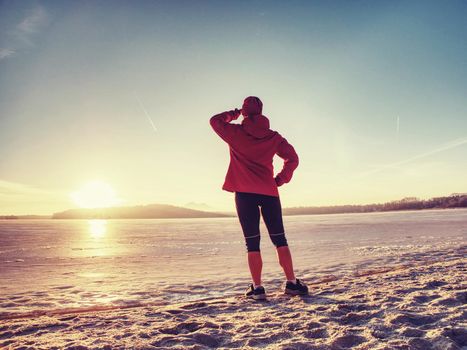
377	281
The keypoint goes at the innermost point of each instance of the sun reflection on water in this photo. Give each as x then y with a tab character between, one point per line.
97	228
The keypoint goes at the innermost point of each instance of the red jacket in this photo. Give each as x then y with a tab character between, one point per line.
252	148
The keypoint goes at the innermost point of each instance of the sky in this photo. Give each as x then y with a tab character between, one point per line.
372	95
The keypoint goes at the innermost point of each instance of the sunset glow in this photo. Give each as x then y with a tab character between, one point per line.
233	174
95	194
371	96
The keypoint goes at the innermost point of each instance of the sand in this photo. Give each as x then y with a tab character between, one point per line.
407	306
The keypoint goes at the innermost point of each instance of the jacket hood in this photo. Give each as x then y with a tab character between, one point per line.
252	105
257	126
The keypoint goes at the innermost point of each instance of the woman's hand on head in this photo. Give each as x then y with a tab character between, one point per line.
234	114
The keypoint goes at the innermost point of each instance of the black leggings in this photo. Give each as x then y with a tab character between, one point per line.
247	205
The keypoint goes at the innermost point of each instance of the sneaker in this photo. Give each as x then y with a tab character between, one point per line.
257	293
297	288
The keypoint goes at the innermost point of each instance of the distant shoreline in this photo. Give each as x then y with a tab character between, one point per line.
409	203
293	211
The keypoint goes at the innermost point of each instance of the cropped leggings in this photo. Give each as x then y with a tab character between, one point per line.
248	210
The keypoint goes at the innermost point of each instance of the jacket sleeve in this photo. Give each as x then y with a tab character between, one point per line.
221	125
286	152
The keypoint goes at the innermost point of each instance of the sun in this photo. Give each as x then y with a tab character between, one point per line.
95	194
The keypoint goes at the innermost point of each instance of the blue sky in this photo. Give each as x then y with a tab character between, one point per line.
370	93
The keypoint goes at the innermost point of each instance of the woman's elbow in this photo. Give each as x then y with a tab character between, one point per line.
296	161
213	121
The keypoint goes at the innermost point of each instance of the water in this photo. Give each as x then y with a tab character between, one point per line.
49	264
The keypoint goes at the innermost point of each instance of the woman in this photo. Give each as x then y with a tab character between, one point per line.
251	176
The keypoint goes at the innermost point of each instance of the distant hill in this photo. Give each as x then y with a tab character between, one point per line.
33	217
198	206
151	211
408	203
156	211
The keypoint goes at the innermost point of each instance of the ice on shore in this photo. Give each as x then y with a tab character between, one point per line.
416	307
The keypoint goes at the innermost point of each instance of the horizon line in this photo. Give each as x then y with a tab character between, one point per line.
454	194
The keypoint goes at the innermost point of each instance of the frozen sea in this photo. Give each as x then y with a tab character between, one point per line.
54	264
